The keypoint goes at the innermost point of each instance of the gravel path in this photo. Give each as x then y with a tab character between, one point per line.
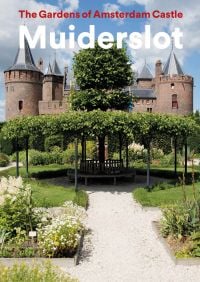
122	246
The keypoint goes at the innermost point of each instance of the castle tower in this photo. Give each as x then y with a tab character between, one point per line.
53	83
53	91
158	69
173	88
23	83
144	79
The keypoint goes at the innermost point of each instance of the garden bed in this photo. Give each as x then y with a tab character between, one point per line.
30	231
172	246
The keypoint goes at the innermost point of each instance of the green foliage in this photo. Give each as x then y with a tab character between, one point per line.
69	154
41	158
195	249
5	145
60	238
81	199
52	141
4	160
16	207
181	220
99	68
34	273
93	99
167	160
36	142
97	123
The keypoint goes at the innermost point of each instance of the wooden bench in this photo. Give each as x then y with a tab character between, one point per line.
101	176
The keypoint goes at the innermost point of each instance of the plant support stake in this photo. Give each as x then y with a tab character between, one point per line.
76	165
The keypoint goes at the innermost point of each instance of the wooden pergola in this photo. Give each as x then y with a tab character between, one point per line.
99	124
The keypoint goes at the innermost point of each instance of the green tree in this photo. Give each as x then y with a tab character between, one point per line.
102	74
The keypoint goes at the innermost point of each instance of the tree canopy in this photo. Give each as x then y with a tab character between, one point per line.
101	75
99	123
99	68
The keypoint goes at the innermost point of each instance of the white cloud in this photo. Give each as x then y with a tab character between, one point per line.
189	25
108	7
72	5
132	2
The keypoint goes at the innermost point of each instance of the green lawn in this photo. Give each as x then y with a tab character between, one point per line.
32	169
46	194
49	195
163	197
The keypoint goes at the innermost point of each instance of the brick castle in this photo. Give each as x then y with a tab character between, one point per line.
30	92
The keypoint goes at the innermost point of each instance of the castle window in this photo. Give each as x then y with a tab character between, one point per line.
174	101
172	85
149	110
20	105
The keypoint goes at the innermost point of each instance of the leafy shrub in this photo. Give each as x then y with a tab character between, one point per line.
6	145
52	141
168	160
181	220
69	154
195	249
37	272
16	206
4	160
81	199
61	237
40	158
163	186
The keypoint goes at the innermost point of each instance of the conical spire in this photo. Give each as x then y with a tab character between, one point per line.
49	70
24	59
145	73
55	68
172	65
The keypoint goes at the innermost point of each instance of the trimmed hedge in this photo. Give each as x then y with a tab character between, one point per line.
168	174
4	160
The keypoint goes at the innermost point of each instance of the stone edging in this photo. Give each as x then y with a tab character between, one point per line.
177	261
79	248
61	262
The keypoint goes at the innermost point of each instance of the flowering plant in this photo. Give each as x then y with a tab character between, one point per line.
61	237
16	206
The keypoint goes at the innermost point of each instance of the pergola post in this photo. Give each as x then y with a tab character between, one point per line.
175	156
83	146
17	157
26	142
186	158
76	165
148	165
101	140
127	159
120	147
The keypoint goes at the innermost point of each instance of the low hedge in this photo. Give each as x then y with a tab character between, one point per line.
49	174
168	174
4	160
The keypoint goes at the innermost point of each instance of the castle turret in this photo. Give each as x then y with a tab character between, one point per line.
52	96
174	89
144	79
158	68
53	83
23	82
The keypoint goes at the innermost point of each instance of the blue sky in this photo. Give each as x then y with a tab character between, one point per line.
189	56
